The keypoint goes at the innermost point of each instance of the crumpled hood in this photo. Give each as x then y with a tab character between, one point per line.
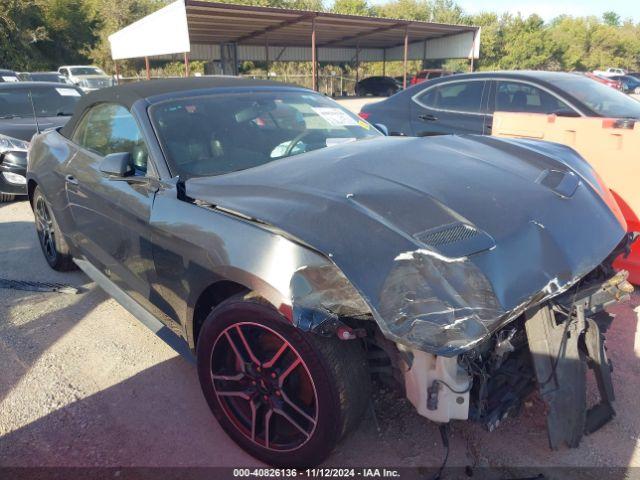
442	236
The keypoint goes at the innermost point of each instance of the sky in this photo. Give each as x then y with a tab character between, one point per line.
549	9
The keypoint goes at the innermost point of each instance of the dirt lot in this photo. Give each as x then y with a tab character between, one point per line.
85	384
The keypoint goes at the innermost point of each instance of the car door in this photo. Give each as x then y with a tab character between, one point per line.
524	97
111	214
453	107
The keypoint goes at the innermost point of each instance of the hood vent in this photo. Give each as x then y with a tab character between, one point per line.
564	184
456	239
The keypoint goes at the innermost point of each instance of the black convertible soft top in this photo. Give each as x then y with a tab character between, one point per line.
129	93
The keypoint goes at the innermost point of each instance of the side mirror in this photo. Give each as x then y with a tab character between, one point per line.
117	165
382	129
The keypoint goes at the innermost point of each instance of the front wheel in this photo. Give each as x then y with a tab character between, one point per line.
284	396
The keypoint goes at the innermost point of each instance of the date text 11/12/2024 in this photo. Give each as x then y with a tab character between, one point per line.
316	472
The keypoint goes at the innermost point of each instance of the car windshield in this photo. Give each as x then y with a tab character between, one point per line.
631	81
600	98
6	76
222	133
46	77
47	102
86	71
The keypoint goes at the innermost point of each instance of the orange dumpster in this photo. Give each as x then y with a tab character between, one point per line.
612	146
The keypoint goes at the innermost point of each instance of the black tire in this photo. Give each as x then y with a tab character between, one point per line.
337	369
6	197
52	242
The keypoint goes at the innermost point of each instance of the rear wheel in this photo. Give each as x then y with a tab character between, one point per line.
53	245
5	197
284	396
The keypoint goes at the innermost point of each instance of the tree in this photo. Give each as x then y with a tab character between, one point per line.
42	34
611	18
112	17
352	7
71	31
20	29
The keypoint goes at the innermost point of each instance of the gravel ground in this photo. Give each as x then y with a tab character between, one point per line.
85	384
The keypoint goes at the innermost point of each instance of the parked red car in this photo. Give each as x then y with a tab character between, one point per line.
609	82
428	74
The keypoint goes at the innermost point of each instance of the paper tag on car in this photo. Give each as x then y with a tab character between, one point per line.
335	116
330	142
68	92
9	79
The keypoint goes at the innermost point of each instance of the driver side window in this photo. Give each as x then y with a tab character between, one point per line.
522	97
110	128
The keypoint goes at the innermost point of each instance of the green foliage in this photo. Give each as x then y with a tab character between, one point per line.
611	18
42	34
20	29
70	27
352	7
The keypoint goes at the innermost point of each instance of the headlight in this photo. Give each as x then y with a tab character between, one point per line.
14	178
9	143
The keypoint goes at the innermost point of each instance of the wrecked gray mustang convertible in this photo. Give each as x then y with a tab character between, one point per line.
299	253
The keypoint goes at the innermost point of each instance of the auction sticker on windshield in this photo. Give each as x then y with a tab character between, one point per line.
335	116
68	92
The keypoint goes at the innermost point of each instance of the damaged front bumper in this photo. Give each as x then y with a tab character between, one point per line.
551	346
565	340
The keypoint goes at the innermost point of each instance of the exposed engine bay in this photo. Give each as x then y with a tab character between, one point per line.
468	308
551	347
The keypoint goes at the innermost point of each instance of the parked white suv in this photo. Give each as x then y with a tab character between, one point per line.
609	72
87	77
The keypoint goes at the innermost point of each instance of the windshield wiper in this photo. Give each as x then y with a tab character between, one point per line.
63	114
10	115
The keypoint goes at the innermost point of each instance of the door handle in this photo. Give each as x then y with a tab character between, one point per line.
427	117
71	179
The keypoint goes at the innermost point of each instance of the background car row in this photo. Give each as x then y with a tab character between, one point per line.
27	108
86	77
465	103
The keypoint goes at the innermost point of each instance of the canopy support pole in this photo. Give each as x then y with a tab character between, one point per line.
424	53
147	68
406	54
314	67
473	48
384	62
115	66
266	53
357	62
186	64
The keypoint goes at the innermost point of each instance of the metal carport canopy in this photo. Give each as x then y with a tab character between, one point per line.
200	28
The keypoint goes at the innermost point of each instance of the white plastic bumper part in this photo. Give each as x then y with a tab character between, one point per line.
438	387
